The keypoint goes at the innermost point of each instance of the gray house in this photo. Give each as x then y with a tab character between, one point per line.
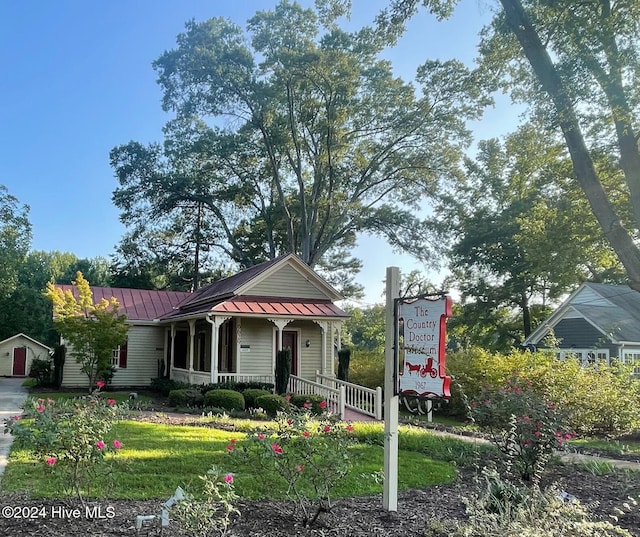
598	322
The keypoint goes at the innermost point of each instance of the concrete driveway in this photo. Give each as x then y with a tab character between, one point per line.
12	397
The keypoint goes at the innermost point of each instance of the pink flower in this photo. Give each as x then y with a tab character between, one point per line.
233	440
276	449
323	404
111	401
51	461
300	468
261	436
40	408
526	419
288	397
326	428
228	479
307	405
568	436
349	428
100	444
289	421
17	417
306	434
117	444
537	433
49	400
100	384
230	448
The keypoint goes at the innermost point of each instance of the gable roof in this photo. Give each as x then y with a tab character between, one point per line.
613	309
233	295
137	304
21	334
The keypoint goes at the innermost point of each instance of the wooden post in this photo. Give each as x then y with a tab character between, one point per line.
390	489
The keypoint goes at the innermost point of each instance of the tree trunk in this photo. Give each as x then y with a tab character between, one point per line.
620	240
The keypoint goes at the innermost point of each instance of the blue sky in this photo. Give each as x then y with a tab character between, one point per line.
77	80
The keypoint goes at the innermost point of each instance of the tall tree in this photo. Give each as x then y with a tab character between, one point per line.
92	330
519	232
15	239
578	65
294	136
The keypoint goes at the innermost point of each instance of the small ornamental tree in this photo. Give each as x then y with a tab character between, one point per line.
92	330
283	370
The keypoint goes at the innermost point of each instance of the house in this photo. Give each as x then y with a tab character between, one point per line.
597	322
228	330
17	353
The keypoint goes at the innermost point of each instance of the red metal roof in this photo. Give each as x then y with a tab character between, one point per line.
279	306
137	304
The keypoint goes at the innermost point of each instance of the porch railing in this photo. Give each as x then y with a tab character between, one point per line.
335	397
364	400
204	377
242	377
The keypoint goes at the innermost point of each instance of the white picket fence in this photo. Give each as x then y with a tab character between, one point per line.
359	398
335	397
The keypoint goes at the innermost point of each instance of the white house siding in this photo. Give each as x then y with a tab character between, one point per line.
6	354
145	346
256	347
287	282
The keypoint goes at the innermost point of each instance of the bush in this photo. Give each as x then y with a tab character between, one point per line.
236	386
272	404
226	399
42	371
598	399
186	397
366	368
250	395
315	403
163	385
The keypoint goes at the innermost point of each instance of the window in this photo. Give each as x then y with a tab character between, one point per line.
119	357
633	358
586	356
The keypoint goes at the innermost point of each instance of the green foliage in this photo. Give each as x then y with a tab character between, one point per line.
506	509
272	404
189	397
15	239
59	358
598	399
42	371
92	330
227	399
344	357
70	436
209	510
283	370
164	386
315	404
365	328
251	394
309	457
525	426
367	368
237	386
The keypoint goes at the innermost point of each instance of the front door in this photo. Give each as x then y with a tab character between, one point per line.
290	339
19	361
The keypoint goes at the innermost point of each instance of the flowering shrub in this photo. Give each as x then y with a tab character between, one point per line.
525	426
210	510
70	436
305	456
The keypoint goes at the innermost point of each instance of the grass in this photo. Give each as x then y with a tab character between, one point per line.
614	446
155	459
120	397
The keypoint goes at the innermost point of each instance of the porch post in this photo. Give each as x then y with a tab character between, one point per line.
280	324
192	339
216	323
172	358
323	329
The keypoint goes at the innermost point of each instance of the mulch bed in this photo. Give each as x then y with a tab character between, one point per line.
418	510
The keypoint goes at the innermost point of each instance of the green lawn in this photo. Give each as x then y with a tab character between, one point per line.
118	396
155	459
614	446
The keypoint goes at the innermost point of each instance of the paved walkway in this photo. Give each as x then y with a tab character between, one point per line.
12	397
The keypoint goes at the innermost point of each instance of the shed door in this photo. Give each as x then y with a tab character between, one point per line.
19	361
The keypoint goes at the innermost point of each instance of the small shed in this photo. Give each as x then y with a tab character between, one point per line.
17	353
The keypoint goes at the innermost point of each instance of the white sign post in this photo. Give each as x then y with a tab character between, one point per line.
391	403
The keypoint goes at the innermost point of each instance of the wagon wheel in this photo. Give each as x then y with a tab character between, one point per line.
414	405
433	373
423	372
